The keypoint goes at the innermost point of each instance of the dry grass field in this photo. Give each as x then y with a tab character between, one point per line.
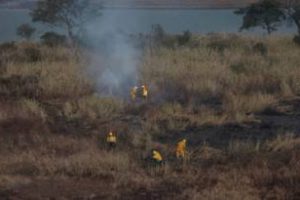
234	98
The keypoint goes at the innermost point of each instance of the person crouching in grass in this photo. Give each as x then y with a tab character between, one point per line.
111	140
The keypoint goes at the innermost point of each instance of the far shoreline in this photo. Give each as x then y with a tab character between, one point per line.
144	8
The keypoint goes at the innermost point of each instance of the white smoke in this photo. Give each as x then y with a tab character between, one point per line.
116	57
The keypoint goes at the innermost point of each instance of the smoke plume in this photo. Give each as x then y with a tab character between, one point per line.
115	60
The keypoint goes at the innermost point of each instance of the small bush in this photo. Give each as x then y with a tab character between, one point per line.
260	48
184	38
53	39
238	67
25	31
32	54
158	33
218	45
169	41
221	42
297	39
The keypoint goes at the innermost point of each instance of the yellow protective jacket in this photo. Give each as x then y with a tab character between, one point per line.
111	138
156	156
133	93
181	148
145	91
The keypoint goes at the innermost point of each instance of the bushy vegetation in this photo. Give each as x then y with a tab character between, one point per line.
160	38
53	123
53	39
297	39
25	31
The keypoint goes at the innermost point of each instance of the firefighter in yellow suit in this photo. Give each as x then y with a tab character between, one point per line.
181	149
139	92
156	157
144	91
111	140
133	92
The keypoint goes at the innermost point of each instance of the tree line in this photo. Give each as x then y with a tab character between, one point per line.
73	15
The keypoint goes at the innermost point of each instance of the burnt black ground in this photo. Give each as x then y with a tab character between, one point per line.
283	118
